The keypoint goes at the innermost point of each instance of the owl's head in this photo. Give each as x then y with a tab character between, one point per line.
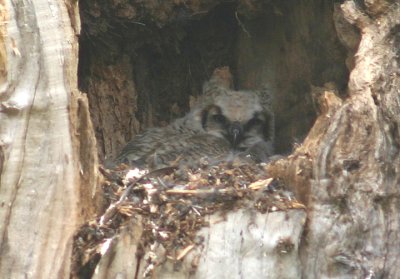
238	117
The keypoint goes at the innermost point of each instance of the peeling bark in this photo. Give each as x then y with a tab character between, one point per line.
353	194
42	171
361	199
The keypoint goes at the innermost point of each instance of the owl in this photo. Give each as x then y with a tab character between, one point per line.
222	123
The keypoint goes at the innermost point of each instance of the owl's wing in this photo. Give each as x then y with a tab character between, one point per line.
142	146
188	150
141	150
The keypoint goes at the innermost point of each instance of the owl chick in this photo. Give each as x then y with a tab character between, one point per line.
222	122
183	141
242	118
250	111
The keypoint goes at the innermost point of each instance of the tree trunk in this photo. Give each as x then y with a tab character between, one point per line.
354	193
334	70
48	158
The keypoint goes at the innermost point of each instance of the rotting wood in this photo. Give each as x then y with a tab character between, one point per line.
351	182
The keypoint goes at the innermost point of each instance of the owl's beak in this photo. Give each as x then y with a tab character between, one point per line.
235	132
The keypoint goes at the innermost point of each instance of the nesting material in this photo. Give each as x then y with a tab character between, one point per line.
173	205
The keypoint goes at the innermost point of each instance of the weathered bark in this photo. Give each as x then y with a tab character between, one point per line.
354	216
247	244
124	258
243	244
45	134
351	182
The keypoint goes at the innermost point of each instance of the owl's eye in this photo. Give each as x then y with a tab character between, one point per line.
219	118
255	121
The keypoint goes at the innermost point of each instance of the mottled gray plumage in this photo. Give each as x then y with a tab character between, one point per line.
182	141
222	122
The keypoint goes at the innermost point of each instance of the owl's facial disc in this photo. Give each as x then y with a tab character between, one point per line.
239	120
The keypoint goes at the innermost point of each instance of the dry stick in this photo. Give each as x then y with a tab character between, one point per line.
201	192
253	186
112	209
183	253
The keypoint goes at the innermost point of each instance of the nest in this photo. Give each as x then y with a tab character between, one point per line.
173	204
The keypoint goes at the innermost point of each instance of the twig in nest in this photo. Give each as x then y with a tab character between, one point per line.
184	252
297	205
111	176
200	192
260	184
113	208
